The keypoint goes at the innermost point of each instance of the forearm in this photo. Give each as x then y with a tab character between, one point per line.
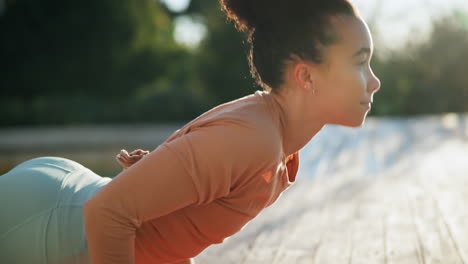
115	212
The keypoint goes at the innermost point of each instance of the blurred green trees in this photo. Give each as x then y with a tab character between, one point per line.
117	61
87	61
220	68
427	76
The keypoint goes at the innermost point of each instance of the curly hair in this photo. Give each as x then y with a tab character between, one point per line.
277	29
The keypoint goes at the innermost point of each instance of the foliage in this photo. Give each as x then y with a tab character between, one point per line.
427	77
220	68
81	61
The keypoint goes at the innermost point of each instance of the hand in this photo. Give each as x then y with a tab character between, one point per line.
126	159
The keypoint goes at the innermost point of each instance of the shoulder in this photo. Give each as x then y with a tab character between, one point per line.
243	127
246	137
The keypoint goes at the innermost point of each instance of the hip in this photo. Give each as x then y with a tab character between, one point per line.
41	203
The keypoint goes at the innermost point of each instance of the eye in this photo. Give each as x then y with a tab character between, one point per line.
362	63
364	60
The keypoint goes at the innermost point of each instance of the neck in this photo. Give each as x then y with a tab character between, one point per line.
297	126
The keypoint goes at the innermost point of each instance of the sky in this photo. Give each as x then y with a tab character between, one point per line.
397	20
400	20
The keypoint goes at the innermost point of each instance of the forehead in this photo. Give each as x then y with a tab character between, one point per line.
352	34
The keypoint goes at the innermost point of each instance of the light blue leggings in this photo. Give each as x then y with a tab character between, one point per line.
41	218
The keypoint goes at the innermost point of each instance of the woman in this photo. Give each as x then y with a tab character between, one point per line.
216	173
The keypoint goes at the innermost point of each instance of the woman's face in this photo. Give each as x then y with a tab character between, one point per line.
345	83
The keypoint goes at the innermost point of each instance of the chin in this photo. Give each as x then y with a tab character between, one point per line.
354	120
355	123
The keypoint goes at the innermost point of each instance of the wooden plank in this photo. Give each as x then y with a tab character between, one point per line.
447	197
400	241
295	241
304	240
336	243
368	237
433	237
448	192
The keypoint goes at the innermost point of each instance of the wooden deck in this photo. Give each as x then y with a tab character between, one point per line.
395	191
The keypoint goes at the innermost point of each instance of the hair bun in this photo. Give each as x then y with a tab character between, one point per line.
241	12
248	14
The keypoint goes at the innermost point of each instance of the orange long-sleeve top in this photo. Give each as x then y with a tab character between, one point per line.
200	186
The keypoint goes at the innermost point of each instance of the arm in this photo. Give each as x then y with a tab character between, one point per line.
195	168
153	187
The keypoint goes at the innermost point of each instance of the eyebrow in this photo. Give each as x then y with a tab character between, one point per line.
362	51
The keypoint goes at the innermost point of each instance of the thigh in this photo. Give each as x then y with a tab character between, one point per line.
25	243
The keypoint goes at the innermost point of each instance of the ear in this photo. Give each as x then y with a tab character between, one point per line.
303	75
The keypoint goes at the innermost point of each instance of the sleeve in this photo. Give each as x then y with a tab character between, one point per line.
195	168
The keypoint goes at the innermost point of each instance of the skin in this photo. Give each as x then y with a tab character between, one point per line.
126	159
313	95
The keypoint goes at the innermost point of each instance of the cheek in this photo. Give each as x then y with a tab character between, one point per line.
358	76
343	92
352	91
348	84
344	87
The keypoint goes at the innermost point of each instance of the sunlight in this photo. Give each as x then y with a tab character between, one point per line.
176	5
188	31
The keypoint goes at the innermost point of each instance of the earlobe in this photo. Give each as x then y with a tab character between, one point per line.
303	76
311	86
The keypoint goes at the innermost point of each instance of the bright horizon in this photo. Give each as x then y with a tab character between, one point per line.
401	20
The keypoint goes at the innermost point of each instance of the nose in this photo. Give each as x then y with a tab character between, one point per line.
374	83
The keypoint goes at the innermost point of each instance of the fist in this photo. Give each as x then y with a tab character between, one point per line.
126	159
